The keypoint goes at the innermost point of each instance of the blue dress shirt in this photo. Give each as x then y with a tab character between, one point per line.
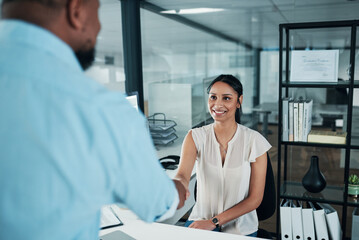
67	145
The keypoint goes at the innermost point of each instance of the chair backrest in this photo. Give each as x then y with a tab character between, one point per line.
268	205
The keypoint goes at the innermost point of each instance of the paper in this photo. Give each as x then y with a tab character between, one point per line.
314	66
109	218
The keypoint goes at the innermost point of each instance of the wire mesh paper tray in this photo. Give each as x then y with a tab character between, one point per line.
162	130
165	140
162	134
159	125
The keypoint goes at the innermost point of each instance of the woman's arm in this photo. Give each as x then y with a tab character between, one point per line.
188	158
254	199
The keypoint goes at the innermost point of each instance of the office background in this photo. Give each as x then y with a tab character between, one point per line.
170	57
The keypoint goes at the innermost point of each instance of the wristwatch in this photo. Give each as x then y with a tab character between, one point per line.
215	221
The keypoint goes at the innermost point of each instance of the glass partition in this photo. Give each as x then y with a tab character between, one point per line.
108	68
179	62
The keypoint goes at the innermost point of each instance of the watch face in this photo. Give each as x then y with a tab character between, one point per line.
215	220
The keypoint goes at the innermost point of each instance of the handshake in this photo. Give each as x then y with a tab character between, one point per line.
183	193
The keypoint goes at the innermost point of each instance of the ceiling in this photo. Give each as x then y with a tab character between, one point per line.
256	21
253	22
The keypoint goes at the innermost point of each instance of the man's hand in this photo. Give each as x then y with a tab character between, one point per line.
203	224
182	193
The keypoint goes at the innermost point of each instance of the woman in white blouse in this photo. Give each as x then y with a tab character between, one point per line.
231	164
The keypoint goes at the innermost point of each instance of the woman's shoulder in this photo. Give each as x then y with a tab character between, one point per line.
252	135
256	143
249	133
247	130
200	135
203	129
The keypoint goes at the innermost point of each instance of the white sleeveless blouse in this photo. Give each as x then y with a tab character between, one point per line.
220	188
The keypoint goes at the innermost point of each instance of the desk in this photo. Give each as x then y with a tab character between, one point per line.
158	231
265	109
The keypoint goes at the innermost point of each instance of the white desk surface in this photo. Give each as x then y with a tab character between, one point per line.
138	229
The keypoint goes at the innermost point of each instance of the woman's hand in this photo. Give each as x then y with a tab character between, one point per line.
203	224
185	185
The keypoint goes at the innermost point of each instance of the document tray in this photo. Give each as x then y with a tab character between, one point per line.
156	124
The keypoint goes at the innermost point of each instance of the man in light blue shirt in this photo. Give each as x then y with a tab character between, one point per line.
67	145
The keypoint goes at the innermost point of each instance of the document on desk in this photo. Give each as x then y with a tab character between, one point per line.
109	218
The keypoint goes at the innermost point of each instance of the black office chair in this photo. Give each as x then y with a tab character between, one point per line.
268	205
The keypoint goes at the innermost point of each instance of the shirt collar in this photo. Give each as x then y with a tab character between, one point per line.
38	37
231	140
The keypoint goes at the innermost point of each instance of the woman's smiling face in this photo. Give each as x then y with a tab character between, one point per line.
223	102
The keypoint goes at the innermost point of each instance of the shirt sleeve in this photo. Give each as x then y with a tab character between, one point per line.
259	145
198	137
170	211
138	179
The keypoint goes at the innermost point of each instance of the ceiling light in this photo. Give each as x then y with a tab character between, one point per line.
192	11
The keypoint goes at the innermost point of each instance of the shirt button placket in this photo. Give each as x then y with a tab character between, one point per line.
221	191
